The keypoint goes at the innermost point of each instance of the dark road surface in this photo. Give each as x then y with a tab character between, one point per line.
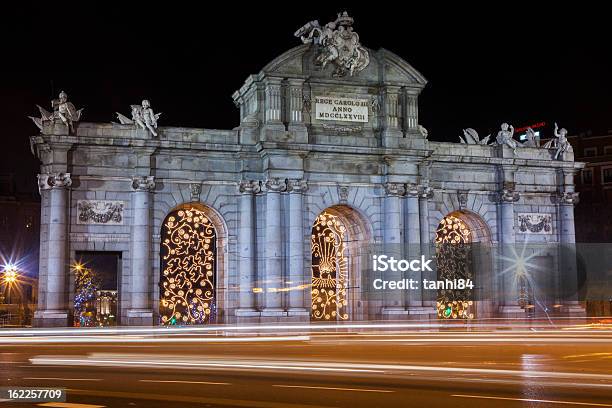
518	368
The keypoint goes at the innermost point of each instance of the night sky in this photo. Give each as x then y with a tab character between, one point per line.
519	65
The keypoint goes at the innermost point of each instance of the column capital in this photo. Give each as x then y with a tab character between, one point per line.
297	186
276	185
395	189
509	196
143	183
249	186
568	198
426	192
43	182
54	180
413	190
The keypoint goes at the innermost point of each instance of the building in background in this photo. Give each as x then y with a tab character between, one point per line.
19	246
594	183
594	212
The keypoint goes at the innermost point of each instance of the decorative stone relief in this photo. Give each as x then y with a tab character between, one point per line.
343	193
195	189
535	223
462	197
336	44
100	212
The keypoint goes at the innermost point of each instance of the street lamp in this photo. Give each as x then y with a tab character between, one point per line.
10	275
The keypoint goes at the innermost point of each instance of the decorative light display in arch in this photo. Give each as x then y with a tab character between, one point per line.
188	268
329	269
453	259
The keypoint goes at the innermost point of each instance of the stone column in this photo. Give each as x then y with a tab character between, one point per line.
140	312
393	304
297	274
55	312
507	238
568	273
273	248
567	201
426	240
413	298
246	248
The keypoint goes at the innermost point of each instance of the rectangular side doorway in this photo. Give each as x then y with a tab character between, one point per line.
96	297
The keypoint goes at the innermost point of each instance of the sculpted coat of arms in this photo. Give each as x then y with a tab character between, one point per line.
337	44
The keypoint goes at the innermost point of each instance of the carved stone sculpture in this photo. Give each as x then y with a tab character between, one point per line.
470	136
195	190
533	140
535	223
142	116
64	112
423	131
504	137
560	143
337	44
100	212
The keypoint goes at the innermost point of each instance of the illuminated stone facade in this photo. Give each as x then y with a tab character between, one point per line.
264	184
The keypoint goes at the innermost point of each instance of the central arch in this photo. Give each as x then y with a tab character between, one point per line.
339	234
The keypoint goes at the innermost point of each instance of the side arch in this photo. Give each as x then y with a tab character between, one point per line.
193	265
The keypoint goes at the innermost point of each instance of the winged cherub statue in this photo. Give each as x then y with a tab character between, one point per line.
505	137
63	111
142	116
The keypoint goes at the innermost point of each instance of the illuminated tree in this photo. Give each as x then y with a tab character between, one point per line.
86	284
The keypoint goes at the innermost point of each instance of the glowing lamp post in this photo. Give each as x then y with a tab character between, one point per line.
10	275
